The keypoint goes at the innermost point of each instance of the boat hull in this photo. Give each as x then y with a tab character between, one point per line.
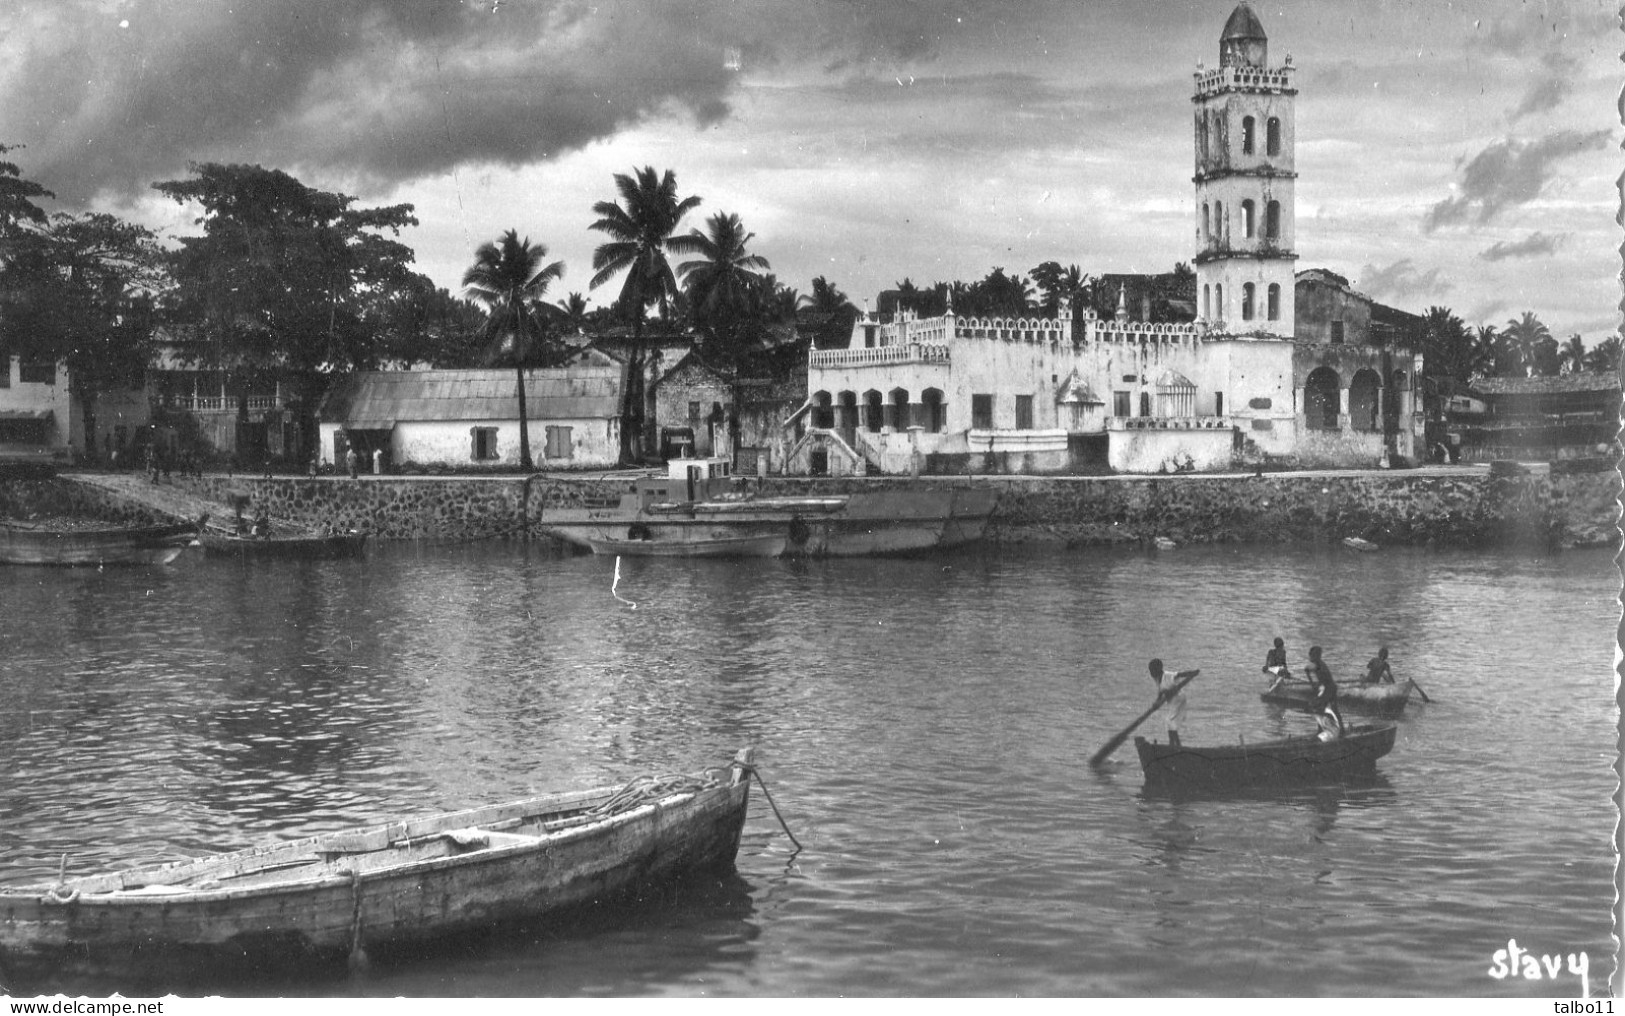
95	547
384	888
1386	700
888	522
335	546
1286	762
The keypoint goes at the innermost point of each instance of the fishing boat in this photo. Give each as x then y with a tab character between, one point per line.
385	888
1290	760
696	509
24	543
283	545
1376	699
1356	543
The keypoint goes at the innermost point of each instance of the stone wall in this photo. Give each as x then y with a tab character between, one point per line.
1569	507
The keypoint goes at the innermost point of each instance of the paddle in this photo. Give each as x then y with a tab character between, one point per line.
1181	679
1419	690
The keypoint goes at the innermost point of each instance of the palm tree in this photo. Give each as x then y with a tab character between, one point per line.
1526	335
506	279
1573	354
724	286
1604	356
639	235
572	313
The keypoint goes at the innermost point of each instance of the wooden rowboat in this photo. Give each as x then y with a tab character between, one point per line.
291	545
1386	700
1291	760
296	905
93	547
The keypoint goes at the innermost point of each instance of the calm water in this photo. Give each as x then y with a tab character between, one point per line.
922	725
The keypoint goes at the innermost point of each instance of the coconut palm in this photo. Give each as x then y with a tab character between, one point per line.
639	236
1604	356
572	313
1573	354
1528	336
725	288
507	278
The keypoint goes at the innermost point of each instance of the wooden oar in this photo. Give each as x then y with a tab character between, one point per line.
1181	679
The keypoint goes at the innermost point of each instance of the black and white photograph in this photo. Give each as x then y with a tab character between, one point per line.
669	500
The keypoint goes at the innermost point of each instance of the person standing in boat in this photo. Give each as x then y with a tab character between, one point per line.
1275	664
1378	671
1327	714
1174	699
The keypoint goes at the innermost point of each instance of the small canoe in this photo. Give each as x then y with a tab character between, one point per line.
1355	543
293	906
1375	699
94	546
291	545
1291	760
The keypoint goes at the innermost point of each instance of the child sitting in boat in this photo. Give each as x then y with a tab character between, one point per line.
262	525
1378	671
1275	664
1325	704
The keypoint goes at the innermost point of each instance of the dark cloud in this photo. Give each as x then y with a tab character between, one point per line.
1508	173
1550	87
1401	279
110	97
1533	245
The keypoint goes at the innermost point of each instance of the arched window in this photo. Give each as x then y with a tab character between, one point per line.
1218	300
846	414
1365	404
1207	302
873	416
1247	301
1207	224
1247	218
1218	221
1272	220
1272	136
1246	135
936	418
823	413
1320	399
897	404
1275	302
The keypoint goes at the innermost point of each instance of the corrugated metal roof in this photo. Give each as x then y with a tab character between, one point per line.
1589	381
383	398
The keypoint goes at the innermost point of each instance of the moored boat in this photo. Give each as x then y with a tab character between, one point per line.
1290	760
22	543
284	545
382	888
1376	699
696	510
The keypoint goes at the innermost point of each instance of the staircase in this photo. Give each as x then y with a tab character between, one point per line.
169	498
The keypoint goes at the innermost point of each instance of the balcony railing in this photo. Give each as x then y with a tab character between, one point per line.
1168	423
909	352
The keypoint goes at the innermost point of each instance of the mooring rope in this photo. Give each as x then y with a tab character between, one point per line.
358	954
648	789
615	584
753	771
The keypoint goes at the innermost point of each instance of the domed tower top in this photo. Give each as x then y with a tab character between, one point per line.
1243	43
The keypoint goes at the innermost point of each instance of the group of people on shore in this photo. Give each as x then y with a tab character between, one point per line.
1170	692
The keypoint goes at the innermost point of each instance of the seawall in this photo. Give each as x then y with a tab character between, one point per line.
1456	506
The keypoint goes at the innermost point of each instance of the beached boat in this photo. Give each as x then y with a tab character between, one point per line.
283	545
1376	699
1291	760
22	543
381	889
697	510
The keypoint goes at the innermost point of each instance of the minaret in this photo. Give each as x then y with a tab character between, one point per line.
1244	184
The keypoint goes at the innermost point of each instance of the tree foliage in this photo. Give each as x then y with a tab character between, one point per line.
284	276
639	228
80	292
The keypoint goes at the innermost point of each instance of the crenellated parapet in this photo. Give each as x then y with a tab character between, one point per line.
1015	329
873	356
1170	332
1264	80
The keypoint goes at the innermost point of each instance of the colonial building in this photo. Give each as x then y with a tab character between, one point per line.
1569	416
470	418
1236	386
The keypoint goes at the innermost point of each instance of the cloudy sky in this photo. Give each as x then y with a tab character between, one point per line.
1458	153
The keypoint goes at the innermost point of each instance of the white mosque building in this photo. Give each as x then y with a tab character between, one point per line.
1244	384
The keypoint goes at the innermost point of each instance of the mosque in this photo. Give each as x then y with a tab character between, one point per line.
1277	368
